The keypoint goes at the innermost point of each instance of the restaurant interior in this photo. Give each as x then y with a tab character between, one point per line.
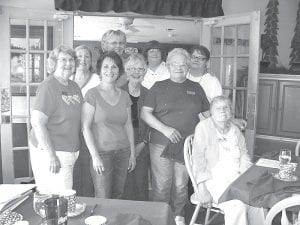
235	31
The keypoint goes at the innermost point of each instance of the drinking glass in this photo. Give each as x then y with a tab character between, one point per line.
285	156
38	203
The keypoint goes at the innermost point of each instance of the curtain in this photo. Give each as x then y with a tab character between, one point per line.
194	8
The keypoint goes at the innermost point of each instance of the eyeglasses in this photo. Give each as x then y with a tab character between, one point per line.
154	50
115	43
181	66
136	70
198	58
65	60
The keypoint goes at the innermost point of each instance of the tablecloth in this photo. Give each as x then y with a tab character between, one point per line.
257	187
157	213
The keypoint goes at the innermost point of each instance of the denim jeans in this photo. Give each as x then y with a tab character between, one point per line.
110	183
47	181
169	180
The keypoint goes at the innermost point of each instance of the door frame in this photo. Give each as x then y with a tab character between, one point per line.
252	18
66	37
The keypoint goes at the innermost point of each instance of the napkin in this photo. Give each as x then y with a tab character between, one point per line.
174	151
129	219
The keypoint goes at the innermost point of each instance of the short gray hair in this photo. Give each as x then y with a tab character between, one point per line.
53	56
108	34
221	98
179	51
133	59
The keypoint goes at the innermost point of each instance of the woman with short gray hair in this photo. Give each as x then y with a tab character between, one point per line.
136	186
55	119
171	108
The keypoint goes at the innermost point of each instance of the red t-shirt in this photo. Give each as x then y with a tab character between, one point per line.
62	105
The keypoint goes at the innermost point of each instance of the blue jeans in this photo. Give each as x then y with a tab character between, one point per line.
110	183
169	180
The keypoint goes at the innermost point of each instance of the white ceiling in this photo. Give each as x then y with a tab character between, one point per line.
184	31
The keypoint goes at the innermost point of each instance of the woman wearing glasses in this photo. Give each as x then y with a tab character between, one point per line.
171	108
136	185
200	56
115	41
54	138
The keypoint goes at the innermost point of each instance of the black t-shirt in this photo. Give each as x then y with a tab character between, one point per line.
134	111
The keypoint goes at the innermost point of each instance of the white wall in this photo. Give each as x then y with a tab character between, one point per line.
287	21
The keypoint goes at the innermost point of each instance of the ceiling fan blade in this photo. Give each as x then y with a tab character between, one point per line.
133	29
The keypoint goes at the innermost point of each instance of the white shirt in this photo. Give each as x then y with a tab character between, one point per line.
151	77
210	84
93	81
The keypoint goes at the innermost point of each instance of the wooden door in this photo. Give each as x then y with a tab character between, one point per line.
288	120
234	44
267	101
27	38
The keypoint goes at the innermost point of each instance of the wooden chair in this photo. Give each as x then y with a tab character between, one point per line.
188	148
281	206
297	149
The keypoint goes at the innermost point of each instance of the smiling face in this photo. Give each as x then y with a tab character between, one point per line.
84	59
221	111
65	66
178	68
154	56
198	60
135	73
109	70
116	43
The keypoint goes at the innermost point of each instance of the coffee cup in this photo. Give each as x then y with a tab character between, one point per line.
70	195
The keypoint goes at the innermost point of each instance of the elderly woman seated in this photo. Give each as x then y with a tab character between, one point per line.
219	157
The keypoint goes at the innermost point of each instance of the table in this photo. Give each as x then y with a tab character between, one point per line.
158	213
257	187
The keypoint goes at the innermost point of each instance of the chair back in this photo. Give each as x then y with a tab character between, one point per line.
297	149
281	206
187	152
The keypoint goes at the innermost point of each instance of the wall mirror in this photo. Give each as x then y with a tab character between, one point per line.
171	32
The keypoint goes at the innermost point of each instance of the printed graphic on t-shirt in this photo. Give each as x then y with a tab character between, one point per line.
70	99
191	92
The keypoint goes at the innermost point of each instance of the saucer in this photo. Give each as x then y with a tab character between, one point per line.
293	178
8	217
95	220
79	208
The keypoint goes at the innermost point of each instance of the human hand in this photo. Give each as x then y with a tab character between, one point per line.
172	134
204	196
54	164
98	164
132	163
240	123
138	148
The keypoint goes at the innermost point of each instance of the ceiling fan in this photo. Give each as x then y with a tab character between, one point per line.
126	24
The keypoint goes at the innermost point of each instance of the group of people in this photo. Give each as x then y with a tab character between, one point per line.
106	129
